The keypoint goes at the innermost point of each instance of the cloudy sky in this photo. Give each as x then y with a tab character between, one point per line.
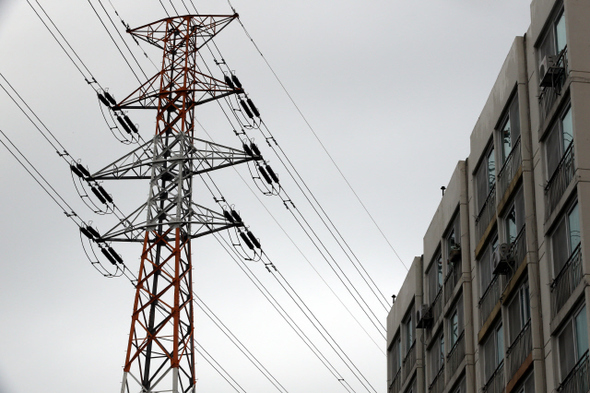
392	90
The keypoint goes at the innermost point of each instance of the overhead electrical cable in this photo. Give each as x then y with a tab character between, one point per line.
285	315
320	327
72	215
380	329
88	77
217	367
317	138
221	326
111	36
312	200
115	43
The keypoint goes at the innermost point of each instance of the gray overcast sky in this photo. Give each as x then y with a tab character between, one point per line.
392	89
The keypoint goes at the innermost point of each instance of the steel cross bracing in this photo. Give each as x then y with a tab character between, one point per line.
160	352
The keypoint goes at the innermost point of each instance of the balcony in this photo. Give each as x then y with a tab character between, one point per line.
456	355
510	168
409	362
489	299
486	214
438	383
578	380
496	382
566	281
452	279
520	349
552	84
560	179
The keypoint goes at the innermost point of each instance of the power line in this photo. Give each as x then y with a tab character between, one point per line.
317	138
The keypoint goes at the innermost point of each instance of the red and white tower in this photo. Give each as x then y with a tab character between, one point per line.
160	353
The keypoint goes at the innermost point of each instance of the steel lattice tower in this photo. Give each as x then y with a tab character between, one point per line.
160	353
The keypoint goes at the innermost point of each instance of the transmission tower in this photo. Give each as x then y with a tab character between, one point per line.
160	353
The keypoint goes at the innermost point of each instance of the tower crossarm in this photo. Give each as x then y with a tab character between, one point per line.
201	221
205	156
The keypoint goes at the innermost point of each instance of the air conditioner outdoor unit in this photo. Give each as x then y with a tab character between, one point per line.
549	71
424	317
503	259
455	253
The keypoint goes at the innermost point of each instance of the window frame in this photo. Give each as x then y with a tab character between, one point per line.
561	146
564	221
511	117
549	43
485	173
573	347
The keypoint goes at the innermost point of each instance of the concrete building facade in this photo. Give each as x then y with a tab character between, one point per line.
497	300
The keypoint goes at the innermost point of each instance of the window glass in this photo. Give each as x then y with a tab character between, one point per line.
442	352
560	35
559	246
440	272
500	345
506	140
581	333
511	231
553	149
567	129
491	170
454	327
409	333
574	228
566	353
485	265
525	304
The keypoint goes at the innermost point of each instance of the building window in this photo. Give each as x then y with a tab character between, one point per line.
493	349
408	332
456	323
510	129
437	356
519	312
486	267
485	178
573	342
554	42
528	386
435	277
566	238
453	241
514	219
395	356
558	142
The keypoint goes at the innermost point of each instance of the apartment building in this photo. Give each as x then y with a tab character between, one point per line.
497	300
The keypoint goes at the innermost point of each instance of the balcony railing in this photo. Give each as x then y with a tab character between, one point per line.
566	281
437	306
486	214
456	355
578	380
409	362
520	349
438	383
509	169
496	382
519	247
396	384
560	179
550	93
489	299
452	279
